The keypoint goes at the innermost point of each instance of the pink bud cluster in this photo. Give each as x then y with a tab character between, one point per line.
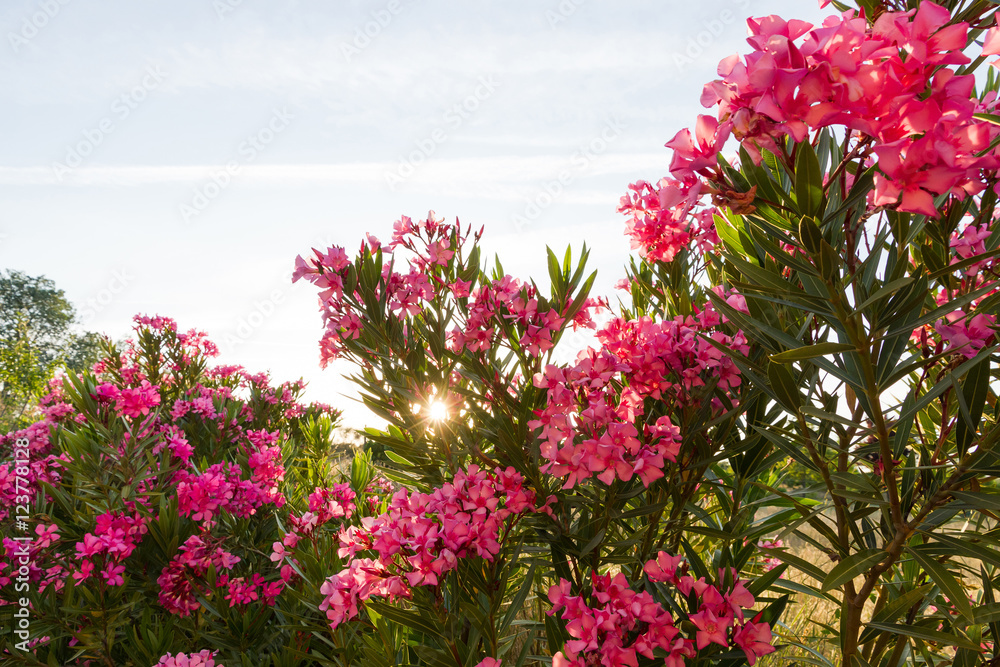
422	535
589	424
614	624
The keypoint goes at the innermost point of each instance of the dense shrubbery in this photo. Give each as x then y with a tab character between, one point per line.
157	485
828	298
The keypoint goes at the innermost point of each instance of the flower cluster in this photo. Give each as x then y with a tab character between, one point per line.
589	425
668	218
890	85
183	578
889	82
617	624
115	537
35	562
423	535
967	335
242	590
165	426
202	658
336	502
495	311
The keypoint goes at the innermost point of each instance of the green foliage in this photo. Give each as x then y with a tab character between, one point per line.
902	436
35	340
116	464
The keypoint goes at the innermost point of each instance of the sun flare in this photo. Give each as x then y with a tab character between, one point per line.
437	411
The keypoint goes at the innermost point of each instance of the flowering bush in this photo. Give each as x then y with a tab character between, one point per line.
157	485
530	480
827	298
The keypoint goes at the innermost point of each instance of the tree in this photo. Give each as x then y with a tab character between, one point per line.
35	340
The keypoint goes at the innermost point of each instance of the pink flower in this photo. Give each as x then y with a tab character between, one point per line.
440	252
701	151
278	552
46	534
755	640
664	568
201	659
113	574
138	402
964	334
711	629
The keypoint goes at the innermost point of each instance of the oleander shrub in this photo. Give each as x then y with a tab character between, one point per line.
155	488
814	292
824	295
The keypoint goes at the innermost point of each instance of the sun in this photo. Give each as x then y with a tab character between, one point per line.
437	411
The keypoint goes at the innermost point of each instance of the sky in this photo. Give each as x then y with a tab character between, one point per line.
173	157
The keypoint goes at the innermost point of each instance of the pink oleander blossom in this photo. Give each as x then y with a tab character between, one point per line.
204	658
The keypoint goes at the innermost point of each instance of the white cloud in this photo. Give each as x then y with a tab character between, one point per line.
455	172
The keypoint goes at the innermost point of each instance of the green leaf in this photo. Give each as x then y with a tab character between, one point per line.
950	586
885	291
967	548
517	604
893	610
808	180
926	634
810	235
987	117
409	619
975	388
783	385
800	564
981	500
810	352
851	567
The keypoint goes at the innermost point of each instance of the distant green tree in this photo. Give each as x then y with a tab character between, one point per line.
35	340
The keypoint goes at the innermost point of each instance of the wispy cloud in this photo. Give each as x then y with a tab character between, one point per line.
510	169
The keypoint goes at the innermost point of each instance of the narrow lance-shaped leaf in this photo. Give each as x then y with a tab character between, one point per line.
852	566
810	352
808	180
